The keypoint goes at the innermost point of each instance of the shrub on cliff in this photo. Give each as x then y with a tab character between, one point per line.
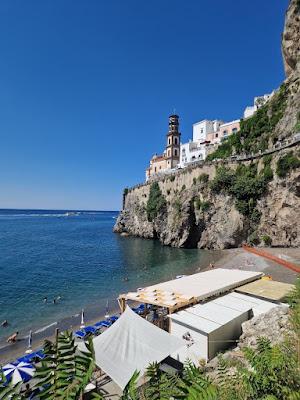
204	178
156	202
223	180
287	163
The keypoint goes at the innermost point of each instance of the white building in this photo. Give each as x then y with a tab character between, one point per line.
197	148
211	327
257	103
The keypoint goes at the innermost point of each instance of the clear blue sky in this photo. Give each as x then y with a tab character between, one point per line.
86	87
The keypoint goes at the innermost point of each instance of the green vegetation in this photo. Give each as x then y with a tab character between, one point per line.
255	132
202	205
267	240
156	202
204	178
177	206
194	181
172	178
297	126
287	163
125	192
245	185
183	188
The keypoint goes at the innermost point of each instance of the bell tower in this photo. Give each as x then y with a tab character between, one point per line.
173	142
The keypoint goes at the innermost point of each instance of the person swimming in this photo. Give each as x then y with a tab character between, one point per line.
4	323
45	299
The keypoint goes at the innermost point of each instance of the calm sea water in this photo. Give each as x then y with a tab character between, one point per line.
77	257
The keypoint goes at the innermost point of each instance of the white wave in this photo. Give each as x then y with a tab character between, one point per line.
44	328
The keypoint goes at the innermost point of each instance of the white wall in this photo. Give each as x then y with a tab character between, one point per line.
197	351
190	152
201	129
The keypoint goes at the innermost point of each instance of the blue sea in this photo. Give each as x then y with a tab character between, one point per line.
78	257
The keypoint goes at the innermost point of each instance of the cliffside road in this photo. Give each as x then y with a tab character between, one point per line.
241	259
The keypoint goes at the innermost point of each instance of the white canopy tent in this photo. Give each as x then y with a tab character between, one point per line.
130	345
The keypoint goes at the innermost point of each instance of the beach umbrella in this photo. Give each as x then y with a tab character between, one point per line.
82	325
18	372
29	350
107	311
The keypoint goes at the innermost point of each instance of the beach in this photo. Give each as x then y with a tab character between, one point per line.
231	259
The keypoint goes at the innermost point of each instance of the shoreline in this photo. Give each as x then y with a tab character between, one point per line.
230	258
93	313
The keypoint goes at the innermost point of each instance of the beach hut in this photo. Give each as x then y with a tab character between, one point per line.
214	326
130	345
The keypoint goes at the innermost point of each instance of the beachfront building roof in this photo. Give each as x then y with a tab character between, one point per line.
191	289
267	289
214	326
130	345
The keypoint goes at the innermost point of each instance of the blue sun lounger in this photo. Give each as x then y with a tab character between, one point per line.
29	358
80	334
113	318
90	329
102	323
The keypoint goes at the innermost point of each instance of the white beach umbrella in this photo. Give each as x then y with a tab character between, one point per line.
18	372
82	325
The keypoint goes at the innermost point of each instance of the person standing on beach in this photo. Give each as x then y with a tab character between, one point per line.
13	337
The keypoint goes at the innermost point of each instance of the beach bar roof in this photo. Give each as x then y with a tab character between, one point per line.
130	345
179	293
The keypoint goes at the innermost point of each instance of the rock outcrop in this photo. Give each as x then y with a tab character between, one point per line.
291	39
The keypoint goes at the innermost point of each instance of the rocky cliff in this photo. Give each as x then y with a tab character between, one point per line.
222	203
291	39
193	214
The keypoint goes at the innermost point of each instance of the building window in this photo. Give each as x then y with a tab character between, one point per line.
175	140
234	130
169	140
175	152
225	132
154	169
160	167
216	135
201	130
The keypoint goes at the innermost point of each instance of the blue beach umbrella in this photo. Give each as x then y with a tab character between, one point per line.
18	372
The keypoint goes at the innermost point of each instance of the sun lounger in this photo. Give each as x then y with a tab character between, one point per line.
90	329
29	358
80	334
104	323
113	318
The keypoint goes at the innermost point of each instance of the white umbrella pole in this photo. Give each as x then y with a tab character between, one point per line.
107	311
82	325
29	349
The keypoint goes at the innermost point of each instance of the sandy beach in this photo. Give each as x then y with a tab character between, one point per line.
231	259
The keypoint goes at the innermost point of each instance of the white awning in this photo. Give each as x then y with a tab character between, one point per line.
192	288
130	345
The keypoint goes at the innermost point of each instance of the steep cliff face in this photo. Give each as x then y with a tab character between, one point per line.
259	201
291	39
195	216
